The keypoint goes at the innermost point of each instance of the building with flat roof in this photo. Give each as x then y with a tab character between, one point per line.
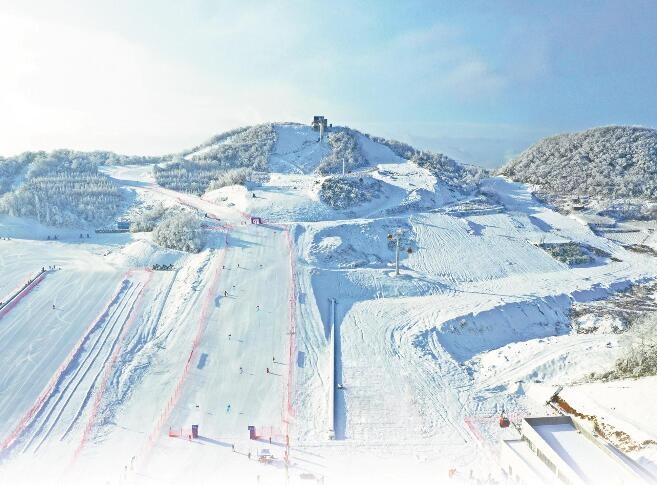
319	123
557	449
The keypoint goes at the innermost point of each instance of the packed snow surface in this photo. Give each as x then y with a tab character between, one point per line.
106	385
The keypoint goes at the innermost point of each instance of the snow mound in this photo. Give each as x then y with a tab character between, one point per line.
143	252
475	333
353	245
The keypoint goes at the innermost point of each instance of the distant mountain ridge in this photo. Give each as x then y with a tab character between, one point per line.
607	163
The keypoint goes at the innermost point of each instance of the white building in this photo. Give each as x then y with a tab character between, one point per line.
557	449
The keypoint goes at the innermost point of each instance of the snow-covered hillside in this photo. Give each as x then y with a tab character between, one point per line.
608	164
291	319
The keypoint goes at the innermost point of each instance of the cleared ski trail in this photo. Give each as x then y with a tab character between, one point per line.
61	405
249	328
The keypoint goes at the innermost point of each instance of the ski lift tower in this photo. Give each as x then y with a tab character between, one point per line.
396	236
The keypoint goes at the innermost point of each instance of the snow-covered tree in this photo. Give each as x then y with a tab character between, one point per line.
180	230
194	171
638	349
344	150
146	220
604	163
236	176
347	192
448	171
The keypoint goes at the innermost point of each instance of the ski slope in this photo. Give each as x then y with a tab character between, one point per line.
105	387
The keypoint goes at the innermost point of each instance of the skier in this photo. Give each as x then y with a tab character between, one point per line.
273	359
267	370
225	293
241	369
257	308
53	306
228	408
229	336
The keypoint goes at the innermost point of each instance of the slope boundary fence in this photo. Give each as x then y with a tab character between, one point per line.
19	294
31	413
171	403
107	374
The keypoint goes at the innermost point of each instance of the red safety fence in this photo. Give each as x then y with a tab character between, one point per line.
48	390
107	374
18	295
292	330
177	392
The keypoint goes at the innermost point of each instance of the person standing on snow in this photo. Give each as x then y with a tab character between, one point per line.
228	408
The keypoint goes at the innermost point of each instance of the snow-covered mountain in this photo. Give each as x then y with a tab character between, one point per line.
607	164
65	187
258	287
295	148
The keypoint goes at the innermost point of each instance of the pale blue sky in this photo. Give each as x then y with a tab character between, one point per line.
478	80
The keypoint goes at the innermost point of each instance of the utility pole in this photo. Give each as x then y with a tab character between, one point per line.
397	257
396	236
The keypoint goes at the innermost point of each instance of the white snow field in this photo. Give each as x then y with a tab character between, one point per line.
105	387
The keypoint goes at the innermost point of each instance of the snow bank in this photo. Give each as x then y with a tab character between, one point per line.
143	253
469	335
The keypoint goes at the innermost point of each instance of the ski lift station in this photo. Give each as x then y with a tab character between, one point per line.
320	123
557	449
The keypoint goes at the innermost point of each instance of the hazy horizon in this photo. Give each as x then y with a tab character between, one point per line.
478	83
